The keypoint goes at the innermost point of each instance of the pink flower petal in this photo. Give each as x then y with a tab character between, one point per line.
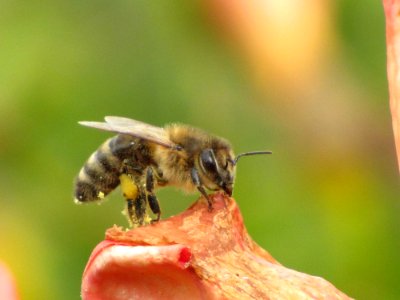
392	12
195	255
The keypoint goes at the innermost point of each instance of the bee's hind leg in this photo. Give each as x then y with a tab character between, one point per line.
130	211
136	211
135	201
140	208
151	197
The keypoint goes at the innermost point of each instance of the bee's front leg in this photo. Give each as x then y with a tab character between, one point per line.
197	182
151	197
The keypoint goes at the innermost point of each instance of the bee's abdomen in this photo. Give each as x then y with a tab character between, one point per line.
99	176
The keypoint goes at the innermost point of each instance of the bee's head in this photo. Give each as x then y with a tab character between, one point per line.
219	166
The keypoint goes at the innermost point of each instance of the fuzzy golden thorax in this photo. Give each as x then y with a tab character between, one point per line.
176	165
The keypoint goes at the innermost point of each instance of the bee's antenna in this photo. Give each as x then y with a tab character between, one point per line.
249	153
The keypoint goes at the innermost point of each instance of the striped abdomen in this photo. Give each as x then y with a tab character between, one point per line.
100	174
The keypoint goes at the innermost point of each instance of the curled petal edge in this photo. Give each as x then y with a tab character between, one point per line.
121	271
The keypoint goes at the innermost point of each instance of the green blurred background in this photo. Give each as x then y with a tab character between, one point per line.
307	82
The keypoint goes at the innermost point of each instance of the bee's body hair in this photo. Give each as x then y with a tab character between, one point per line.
142	157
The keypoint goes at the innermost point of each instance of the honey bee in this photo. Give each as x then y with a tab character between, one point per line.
142	158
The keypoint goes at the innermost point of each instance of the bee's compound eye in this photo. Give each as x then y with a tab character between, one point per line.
208	161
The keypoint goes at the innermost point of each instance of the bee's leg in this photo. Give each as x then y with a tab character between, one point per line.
136	200
136	210
130	210
140	208
151	197
196	180
130	167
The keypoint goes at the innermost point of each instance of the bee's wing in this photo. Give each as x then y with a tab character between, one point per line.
134	128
